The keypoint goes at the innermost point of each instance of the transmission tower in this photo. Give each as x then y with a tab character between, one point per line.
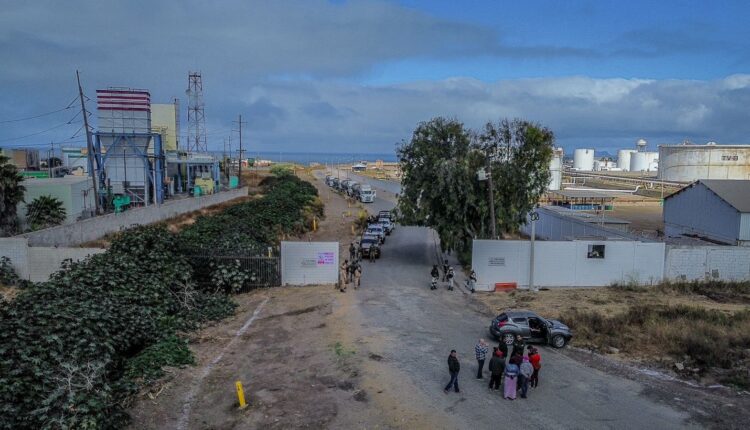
196	116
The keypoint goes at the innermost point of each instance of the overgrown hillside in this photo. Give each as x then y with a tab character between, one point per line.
74	349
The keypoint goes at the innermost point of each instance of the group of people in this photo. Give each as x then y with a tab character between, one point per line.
448	276
350	273
520	372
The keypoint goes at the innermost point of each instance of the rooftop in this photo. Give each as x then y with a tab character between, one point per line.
70	179
736	192
591	194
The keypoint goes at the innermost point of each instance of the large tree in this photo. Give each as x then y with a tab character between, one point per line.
11	194
45	211
440	187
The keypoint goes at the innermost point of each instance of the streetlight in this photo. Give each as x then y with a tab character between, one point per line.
534	215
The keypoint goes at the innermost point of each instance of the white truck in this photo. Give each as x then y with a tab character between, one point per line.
366	194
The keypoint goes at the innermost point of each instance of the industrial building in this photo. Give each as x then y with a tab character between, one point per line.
165	121
711	209
583	159
75	193
23	159
687	162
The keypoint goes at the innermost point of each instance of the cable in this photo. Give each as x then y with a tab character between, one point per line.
70	106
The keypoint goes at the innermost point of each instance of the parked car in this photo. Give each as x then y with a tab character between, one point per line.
387	225
376	230
369	243
385	214
532	327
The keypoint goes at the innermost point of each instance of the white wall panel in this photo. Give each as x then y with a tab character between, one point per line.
307	263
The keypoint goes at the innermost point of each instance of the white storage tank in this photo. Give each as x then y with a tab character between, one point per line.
688	163
623	159
583	159
644	161
555	168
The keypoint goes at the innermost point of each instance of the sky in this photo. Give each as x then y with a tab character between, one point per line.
358	76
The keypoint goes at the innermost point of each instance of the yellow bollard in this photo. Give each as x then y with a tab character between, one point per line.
315	224
240	394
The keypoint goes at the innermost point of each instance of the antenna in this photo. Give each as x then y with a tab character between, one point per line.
196	116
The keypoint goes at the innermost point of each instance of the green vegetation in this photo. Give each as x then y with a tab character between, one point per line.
75	348
440	188
45	211
282	169
11	194
8	275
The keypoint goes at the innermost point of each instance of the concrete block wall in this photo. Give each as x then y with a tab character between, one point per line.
730	263
94	228
36	264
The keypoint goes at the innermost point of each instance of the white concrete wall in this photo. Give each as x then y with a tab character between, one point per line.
307	263
565	263
730	263
94	228
36	264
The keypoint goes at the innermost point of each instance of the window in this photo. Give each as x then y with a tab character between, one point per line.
519	321
596	251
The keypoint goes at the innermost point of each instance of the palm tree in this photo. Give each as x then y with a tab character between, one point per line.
45	211
11	194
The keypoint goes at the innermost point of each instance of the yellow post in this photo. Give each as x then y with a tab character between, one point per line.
240	394
315	224
352	228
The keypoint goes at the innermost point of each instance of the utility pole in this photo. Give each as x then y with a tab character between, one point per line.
534	215
239	174
491	197
89	145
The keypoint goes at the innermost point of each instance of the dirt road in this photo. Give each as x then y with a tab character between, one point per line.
376	358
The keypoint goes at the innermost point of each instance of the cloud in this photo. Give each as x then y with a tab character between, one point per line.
583	112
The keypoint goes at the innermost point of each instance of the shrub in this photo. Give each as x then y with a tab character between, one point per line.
8	274
44	212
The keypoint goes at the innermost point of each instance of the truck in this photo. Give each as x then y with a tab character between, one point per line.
366	194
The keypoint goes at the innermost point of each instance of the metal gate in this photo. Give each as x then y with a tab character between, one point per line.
236	273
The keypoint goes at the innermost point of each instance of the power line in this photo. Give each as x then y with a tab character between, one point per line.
38	132
70	106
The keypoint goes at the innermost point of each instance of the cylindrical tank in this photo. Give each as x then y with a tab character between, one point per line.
583	159
644	161
623	159
555	168
687	163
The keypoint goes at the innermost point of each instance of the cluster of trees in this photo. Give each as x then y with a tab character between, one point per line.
442	166
42	212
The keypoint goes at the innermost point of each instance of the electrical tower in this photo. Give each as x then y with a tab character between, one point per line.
196	116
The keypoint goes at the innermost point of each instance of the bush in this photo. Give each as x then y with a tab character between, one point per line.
65	344
8	274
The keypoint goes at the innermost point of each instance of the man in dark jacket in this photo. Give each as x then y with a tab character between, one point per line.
518	346
453	368
497	368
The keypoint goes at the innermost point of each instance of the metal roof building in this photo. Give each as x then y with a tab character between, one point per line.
713	209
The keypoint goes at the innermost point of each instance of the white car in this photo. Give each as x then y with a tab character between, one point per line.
387	225
376	230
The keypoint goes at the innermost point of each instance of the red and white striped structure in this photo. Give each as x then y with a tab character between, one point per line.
123	100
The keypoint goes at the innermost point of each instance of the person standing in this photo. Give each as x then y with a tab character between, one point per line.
357	275
525	372
352	252
536	362
435	273
511	380
343	274
453	368
480	349
472	281
450	278
503	347
372	253
497	367
518	345
445	270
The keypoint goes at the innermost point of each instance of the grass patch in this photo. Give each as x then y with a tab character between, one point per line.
341	351
715	343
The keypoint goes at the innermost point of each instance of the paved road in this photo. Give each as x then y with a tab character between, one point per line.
423	325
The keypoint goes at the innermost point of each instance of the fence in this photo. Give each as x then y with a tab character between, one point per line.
236	273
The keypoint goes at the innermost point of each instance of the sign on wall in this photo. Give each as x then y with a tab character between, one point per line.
309	263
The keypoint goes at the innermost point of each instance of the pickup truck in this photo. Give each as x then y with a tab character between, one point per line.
369	244
376	230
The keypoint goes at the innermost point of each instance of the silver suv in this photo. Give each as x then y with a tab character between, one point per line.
532	327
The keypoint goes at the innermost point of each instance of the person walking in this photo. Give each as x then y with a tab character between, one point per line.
451	274
525	372
435	273
518	345
497	367
372	254
343	274
350	270
445	270
357	275
480	349
453	368
472	281
511	381
352	252
536	362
